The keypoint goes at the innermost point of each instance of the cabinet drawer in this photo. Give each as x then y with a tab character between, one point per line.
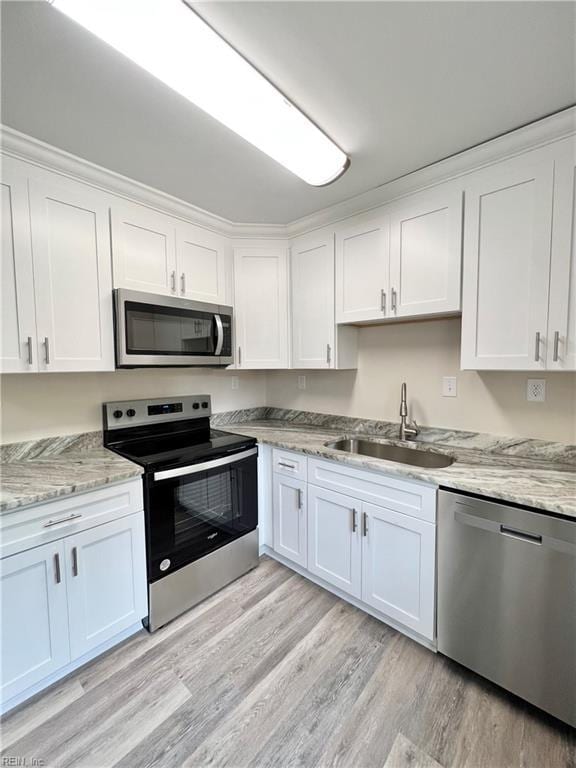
405	496
289	463
33	526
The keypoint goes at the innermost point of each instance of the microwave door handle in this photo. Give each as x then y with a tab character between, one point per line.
219	335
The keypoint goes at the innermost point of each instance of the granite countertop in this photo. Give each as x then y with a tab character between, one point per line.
47	469
534	482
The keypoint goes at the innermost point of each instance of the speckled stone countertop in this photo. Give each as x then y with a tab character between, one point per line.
534	473
43	470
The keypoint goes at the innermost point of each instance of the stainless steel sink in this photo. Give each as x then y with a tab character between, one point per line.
402	455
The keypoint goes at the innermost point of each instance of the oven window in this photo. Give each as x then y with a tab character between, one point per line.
154	330
192	515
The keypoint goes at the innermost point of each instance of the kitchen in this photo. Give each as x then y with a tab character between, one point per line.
321	434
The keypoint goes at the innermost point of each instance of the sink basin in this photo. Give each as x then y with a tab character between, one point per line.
413	456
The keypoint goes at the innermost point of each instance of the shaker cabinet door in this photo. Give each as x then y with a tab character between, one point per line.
200	257
289	518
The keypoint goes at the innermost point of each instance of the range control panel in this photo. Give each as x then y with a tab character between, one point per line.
135	413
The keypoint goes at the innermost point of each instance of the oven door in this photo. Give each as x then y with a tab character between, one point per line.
163	331
194	510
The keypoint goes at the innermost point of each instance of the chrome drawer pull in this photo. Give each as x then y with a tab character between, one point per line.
62	520
288	466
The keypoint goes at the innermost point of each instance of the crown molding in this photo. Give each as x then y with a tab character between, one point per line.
545	131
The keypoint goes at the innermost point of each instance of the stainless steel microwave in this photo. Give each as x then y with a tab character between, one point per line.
162	331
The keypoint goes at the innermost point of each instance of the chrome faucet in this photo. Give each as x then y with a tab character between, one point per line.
407	431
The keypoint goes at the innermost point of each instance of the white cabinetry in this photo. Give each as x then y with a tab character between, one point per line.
334	539
56	273
18	325
398	565
261	305
362	275
507	232
34	617
561	339
317	342
289	518
426	252
200	259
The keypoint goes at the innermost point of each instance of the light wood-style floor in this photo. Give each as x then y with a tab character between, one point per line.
274	671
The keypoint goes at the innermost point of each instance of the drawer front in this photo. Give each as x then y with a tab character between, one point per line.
289	463
32	526
405	496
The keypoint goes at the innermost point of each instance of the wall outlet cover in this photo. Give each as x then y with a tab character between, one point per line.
536	390
301	382
235	382
449	386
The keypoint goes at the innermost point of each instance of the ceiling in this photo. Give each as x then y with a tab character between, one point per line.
398	85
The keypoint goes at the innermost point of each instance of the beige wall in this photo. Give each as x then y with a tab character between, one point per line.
418	353
40	405
421	354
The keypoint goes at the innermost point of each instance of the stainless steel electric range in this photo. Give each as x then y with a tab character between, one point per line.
200	498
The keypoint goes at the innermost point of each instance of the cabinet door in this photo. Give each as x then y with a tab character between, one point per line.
289	517
261	303
72	276
106	576
34	617
362	270
507	230
561	343
398	563
426	253
312	264
18	327
143	249
334	546
200	259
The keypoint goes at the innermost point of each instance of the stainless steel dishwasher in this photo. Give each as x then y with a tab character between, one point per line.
507	598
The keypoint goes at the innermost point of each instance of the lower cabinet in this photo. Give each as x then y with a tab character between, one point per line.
334	543
289	518
62	600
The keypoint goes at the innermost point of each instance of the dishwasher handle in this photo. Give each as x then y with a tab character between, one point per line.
514	533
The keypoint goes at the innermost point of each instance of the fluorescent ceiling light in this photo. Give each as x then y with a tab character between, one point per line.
169	40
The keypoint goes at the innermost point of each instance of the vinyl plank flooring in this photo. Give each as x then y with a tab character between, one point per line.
275	672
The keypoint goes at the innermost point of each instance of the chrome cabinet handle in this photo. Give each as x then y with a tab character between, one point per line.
74	561
556	345
364	524
537	347
239	356
288	466
57	574
393	300
183	282
328	353
62	520
173	278
219	335
299	498
29	343
354	524
383	300
47	348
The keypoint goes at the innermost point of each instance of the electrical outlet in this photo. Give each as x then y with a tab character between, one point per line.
301	382
536	390
235	382
449	388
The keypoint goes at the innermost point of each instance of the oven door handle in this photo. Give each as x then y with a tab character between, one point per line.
219	335
192	469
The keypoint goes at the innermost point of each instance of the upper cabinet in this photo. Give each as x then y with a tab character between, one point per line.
316	340
56	273
426	252
517	300
156	253
561	339
261	306
362	274
404	261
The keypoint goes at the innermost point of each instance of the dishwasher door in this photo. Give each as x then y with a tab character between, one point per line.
507	598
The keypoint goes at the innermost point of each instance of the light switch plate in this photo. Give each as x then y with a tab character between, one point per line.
301	382
449	386
536	390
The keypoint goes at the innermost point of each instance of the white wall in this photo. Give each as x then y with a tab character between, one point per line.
421	353
40	405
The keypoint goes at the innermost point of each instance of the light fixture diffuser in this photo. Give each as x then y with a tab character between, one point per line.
171	42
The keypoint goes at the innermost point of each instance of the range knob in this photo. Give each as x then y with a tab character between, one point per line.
130	412
117	414
195	406
204	405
